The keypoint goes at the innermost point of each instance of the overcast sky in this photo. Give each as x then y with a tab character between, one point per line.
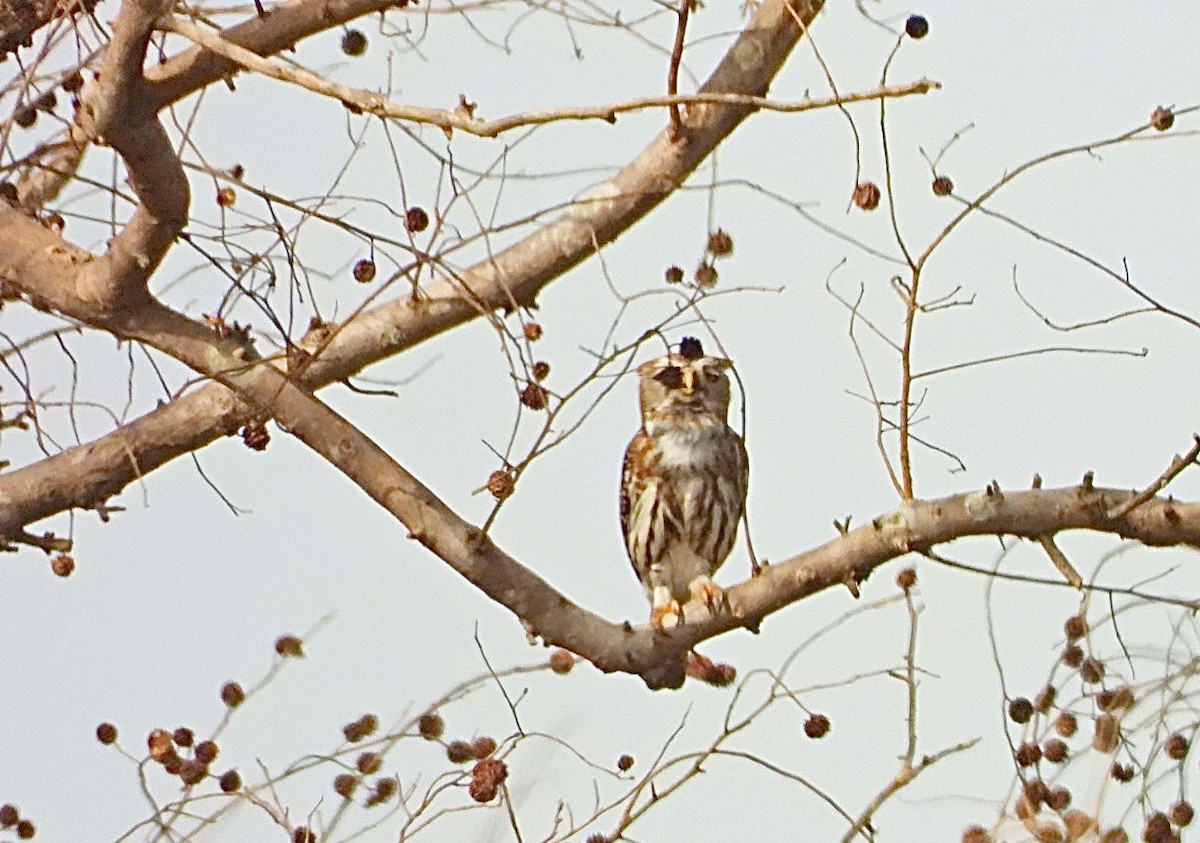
177	595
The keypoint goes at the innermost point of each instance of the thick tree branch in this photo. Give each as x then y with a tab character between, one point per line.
116	111
515	275
658	657
279	30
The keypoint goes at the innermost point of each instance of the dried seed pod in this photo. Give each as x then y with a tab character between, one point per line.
1072	655
255	436
183	736
673	275
354	43
303	834
486	778
483	747
459	752
1078	824
1176	747
720	244
916	27
705	276
73	83
625	763
1037	793
541	370
816	726
500	484
1055	751
532	330
106	733
160	744
1162	118
361	728
385	789
192	772
534	396
416	219
26	829
1115	835
289	646
364	271
907	578
25	116
344	785
232	694
1044	701
230	781
226	196
976	834
9	815
942	186
1020	710
1121	772
1123	699
1091	671
207	751
368	763
1075	627
1028	754
867	195
691	348
1107	736
1182	814
62	565
1066	724
561	661
1059	799
1157	828
430	726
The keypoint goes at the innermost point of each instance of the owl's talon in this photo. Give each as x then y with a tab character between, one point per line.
705	591
667	616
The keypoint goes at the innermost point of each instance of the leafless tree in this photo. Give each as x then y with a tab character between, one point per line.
115	221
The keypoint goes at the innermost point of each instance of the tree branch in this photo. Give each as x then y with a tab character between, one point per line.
30	260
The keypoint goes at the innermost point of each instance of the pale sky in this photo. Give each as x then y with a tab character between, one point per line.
177	595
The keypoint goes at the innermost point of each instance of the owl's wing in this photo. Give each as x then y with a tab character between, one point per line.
630	487
633	484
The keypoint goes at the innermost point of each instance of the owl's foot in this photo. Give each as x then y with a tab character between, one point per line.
705	591
666	616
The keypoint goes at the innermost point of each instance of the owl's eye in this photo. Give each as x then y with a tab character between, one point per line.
671	377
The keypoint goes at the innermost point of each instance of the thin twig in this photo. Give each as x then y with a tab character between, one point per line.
685	8
1178	464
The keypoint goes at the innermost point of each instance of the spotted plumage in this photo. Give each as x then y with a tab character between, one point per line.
683	487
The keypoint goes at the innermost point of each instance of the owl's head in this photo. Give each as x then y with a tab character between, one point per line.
685	382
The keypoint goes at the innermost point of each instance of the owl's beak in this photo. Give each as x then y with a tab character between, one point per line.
689	381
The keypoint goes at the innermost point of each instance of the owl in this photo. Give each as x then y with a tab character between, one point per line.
683	485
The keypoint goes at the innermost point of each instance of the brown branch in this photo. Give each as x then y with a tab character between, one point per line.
371	102
115	111
32	259
286	25
681	22
658	657
1178	464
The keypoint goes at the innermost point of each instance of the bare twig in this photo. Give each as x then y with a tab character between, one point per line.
1178	464
450	119
1060	560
